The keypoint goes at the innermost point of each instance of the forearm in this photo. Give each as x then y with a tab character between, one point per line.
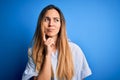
45	73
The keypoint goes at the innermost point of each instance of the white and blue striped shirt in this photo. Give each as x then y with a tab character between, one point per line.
81	66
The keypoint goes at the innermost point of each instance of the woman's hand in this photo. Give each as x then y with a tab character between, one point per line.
49	44
46	70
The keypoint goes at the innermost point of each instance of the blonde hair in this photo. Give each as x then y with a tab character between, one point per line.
65	68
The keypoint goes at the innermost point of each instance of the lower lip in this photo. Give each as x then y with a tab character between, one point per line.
50	30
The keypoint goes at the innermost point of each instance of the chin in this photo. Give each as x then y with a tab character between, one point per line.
50	35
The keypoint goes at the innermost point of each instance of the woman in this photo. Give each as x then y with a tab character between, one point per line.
53	56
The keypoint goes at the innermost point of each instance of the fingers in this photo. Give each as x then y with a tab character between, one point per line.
44	37
49	42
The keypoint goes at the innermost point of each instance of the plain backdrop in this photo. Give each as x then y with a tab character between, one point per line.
93	24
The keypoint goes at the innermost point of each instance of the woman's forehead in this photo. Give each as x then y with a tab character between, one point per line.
52	13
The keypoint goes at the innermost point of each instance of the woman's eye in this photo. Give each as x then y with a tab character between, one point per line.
46	19
56	20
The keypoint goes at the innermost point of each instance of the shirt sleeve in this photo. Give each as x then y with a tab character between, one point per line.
30	67
85	71
82	69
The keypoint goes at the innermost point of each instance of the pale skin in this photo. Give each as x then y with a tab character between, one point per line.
51	25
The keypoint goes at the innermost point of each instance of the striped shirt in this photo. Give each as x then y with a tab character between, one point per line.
81	66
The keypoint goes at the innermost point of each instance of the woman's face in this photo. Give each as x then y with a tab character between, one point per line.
51	23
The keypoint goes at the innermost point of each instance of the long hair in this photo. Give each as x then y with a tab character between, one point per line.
65	68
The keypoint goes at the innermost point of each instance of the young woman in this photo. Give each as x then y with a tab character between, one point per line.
53	56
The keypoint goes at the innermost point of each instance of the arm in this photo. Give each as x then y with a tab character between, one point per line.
45	73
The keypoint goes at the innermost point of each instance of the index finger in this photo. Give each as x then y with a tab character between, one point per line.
44	37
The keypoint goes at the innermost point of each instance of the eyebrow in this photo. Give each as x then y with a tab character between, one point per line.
53	17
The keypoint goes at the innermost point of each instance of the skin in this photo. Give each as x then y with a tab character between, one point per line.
51	25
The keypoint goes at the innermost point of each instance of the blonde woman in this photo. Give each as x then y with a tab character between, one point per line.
53	56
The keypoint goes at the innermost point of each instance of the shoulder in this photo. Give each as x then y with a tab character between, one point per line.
73	45
75	48
77	53
30	51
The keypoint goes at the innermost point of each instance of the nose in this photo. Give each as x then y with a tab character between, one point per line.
51	22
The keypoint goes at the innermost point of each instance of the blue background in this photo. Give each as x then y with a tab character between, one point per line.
93	24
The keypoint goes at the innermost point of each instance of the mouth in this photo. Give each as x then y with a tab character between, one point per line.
49	30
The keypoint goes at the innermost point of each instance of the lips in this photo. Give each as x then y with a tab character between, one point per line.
50	29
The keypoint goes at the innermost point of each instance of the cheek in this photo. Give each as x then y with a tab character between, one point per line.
58	28
45	26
